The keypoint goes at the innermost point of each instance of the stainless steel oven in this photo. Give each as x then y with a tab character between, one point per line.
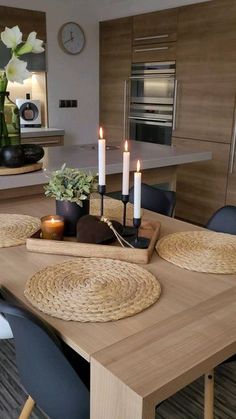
151	109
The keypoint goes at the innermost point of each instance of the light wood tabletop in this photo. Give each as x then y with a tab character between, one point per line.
138	361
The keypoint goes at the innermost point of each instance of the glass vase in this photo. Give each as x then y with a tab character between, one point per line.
9	121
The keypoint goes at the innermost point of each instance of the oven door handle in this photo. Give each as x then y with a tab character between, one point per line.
148	121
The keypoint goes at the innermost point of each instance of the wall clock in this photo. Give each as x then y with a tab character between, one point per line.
71	38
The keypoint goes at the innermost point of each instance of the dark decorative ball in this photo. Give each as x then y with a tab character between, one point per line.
12	156
32	152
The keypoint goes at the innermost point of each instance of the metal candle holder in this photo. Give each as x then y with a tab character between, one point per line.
125	200
139	242
102	191
127	230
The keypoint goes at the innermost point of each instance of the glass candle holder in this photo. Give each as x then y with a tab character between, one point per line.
52	227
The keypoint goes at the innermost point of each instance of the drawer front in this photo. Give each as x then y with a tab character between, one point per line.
45	141
156	27
155	39
154	52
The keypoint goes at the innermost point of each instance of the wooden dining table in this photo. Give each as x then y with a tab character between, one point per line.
141	360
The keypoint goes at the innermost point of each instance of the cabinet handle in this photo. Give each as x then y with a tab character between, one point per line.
175	104
125	121
151	49
233	144
144	38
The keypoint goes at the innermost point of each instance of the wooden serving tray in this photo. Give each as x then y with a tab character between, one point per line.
70	247
5	171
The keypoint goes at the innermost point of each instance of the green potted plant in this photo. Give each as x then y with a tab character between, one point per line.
71	188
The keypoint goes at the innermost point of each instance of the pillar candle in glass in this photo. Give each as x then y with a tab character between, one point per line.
137	191
101	158
52	227
126	163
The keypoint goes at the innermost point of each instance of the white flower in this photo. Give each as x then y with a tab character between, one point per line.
32	44
11	37
16	70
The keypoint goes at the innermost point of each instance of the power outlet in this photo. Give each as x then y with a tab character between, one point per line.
68	103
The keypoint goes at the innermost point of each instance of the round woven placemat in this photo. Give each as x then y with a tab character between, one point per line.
15	228
92	290
201	251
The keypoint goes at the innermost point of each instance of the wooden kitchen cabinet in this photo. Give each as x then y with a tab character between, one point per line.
231	185
205	107
201	187
28	21
205	110
207	41
231	189
206	71
49	141
155	27
115	68
154	52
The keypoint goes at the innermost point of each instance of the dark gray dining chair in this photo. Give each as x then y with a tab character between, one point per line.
222	221
54	379
156	200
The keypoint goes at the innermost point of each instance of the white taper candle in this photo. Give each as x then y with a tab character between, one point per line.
137	191
101	159
126	162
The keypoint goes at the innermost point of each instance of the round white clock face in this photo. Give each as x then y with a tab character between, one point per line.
71	38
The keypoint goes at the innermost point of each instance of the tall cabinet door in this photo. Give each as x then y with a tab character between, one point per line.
201	187
115	67
231	186
205	110
206	71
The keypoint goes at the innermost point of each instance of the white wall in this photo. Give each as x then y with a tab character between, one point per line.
77	77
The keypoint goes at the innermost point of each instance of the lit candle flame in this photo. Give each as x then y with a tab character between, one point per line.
126	145
100	133
138	166
52	220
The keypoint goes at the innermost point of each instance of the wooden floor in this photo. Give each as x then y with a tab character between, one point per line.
187	404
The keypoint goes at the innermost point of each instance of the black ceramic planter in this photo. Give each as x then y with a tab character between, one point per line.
71	213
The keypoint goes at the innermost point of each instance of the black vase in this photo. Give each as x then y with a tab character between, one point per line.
71	213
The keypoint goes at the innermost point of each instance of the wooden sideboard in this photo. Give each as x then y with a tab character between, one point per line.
202	39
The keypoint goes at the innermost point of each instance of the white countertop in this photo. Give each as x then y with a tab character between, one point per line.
41	132
85	157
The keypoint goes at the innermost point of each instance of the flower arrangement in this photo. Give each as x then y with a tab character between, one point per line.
71	185
16	69
16	72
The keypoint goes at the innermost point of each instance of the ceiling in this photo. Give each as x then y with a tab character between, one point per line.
109	9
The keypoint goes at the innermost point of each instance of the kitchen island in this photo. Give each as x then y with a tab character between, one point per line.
158	164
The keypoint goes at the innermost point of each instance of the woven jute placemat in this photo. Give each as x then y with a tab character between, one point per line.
15	228
92	290
201	251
